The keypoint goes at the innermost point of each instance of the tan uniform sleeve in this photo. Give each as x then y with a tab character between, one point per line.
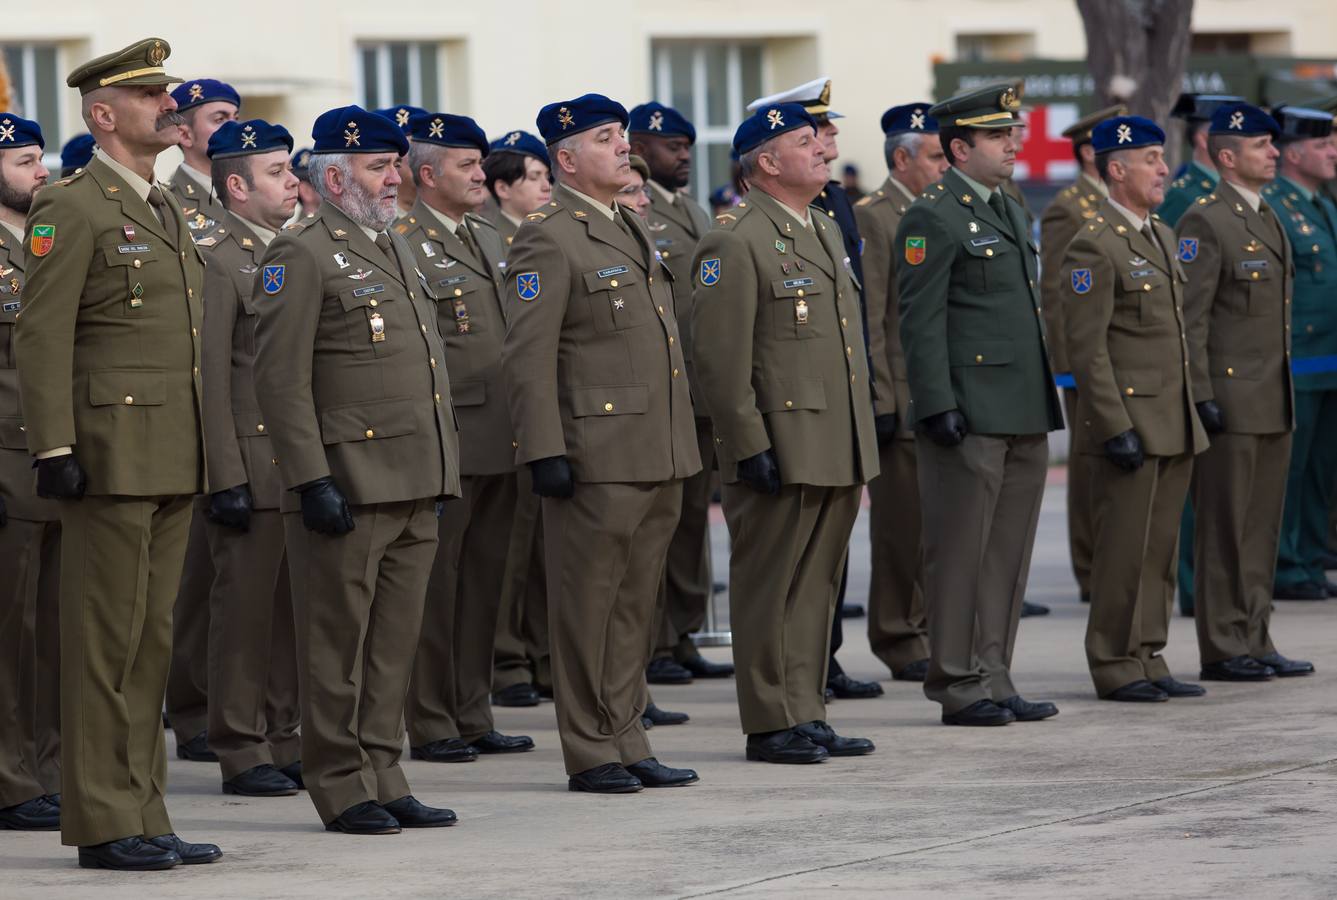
1204	277
879	284
1086	318
222	450
1058	225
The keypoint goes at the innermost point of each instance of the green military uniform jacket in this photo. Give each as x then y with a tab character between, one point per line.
676	226
1237	303
970	314
17	484
1072	208
202	210
879	215
1126	338
350	369
1185	190
125	290
237	441
469	314
1311	225
592	357
780	351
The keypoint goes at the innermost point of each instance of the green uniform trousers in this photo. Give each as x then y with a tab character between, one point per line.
520	654
897	626
187	701
1309	489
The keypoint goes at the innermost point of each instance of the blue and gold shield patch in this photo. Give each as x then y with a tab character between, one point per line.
527	286
272	279
710	271
1188	249
1081	281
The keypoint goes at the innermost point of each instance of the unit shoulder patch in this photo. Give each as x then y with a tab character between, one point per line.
1082	281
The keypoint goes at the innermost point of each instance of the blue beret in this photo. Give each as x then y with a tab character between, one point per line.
1242	119
190	94
521	142
77	152
769	122
352	129
16	131
656	118
301	162
248	138
1298	123
401	115
1126	133
910	117
447	130
567	117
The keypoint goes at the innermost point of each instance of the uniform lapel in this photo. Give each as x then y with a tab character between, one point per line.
1137	242
246	237
602	228
345	229
978	206
1254	222
670	210
115	188
801	241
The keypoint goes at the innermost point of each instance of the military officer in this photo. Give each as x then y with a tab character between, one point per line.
1308	159
354	395
252	663
1135	407
518	177
981	399
663	137
461	255
308	200
76	154
205	105
897	629
781	370
401	115
29	534
116	431
1071	209
1237	304
603	419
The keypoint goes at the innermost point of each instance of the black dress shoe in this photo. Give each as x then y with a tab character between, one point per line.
131	854
545	691
293	771
37	814
1285	668
786	746
412	814
1140	691
980	713
1308	590
1026	711
191	854
663	670
915	671
853	611
496	742
654	774
659	716
196	749
646	722
367	817
1176	688
54	800
700	667
1033	609
1329	561
522	694
610	778
260	781
1237	668
847	688
449	750
824	736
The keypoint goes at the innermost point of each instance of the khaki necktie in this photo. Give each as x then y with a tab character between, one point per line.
467	239
383	241
1150	234
158	204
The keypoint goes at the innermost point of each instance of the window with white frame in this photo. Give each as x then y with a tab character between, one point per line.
711	83
36	86
398	72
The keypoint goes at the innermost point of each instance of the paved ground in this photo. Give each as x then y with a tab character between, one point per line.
1235	793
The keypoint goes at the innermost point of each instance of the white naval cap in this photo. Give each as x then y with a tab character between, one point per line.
815	96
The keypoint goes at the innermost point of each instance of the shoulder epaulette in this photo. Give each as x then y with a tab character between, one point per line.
479	220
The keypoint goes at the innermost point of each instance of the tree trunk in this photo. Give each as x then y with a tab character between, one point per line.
1137	51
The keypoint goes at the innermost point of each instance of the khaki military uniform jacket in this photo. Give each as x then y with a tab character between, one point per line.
1126	338
780	358
1238	307
350	369
1072	208
506	229
592	357
676	227
17	484
237	440
468	295
125	290
879	215
202	210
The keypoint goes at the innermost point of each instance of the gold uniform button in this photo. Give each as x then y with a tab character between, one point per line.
372	302
436	397
1230	370
844	322
979	358
1128	391
515	445
370	433
412	296
849	351
612	282
196	371
1253	275
661	310
275	461
675	373
1147	287
608	407
800	293
989	252
129	401
260	427
190	293
424	328
137	264
183	255
851	379
1316	248
651	279
194	332
459	293
432	363
789	404
670	340
1308	328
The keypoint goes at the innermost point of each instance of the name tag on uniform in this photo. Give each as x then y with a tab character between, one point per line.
456	279
1250	265
1142	273
663	242
12	306
370	289
132	248
984	241
798	282
609	273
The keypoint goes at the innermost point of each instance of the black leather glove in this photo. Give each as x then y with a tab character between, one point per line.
885	426
946	429
231	508
325	508
1125	451
1213	418
61	478
4	513
552	477
760	472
